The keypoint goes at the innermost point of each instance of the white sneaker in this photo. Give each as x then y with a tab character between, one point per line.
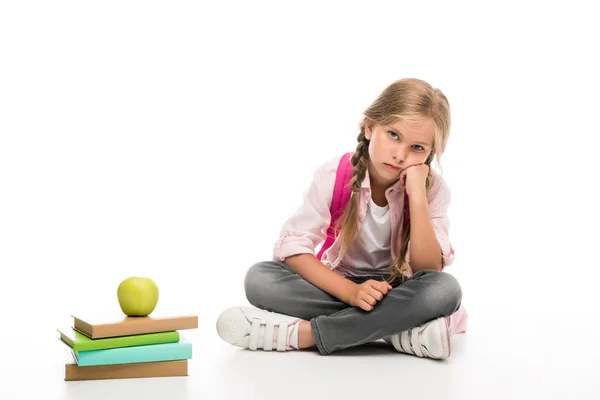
254	328
431	339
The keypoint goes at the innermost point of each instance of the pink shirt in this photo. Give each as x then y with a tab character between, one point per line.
305	230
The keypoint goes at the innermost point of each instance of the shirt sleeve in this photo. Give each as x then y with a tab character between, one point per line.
438	202
307	227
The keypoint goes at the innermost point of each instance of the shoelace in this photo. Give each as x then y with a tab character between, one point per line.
268	334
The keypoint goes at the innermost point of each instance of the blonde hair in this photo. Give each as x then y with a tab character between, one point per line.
407	99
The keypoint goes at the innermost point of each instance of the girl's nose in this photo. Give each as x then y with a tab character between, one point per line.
399	155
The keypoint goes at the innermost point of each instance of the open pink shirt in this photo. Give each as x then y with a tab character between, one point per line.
306	229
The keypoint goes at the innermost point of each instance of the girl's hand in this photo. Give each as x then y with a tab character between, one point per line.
414	179
367	294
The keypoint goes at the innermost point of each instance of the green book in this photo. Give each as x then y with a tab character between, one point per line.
80	342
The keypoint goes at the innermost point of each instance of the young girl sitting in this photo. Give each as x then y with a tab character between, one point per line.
381	277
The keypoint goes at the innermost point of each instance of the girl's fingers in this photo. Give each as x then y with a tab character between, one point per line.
370	299
376	293
381	287
365	306
385	287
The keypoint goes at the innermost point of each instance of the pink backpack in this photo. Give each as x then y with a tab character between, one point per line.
341	195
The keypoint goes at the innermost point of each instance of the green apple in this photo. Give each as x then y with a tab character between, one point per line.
137	296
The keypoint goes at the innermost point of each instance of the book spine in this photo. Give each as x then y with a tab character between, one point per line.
83	327
127	341
136	354
139	370
143	326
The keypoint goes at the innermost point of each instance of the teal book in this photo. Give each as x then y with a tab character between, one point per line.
79	342
181	350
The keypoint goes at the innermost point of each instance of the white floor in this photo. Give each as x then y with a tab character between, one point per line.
538	356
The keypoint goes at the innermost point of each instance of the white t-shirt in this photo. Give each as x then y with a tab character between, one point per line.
370	253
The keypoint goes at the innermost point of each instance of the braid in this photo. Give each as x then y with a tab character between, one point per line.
360	161
347	224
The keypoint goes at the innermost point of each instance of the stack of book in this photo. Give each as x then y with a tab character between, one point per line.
127	347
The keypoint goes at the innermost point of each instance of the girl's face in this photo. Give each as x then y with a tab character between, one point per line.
395	147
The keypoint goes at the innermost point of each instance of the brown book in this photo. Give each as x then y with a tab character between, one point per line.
96	326
73	372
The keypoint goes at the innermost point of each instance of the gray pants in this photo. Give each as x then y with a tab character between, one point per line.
425	296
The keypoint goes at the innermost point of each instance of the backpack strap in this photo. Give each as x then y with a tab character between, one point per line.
341	196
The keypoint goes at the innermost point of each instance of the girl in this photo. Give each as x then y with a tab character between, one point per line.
382	276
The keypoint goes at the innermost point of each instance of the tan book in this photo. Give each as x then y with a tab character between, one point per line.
73	372
96	325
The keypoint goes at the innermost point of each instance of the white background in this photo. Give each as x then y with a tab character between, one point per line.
173	139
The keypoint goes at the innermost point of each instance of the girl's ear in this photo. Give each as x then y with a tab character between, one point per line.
368	130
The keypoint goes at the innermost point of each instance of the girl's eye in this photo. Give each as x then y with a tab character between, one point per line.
394	135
